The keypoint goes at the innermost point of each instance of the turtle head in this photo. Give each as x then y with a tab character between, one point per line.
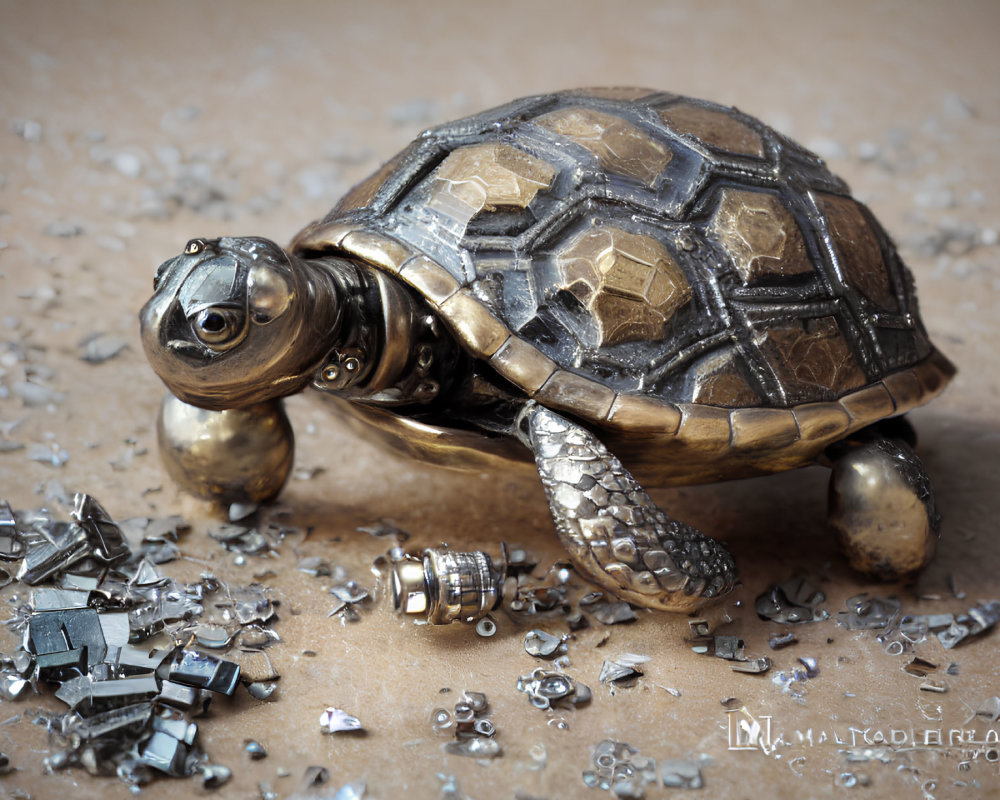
234	321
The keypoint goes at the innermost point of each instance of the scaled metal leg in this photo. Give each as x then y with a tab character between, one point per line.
615	534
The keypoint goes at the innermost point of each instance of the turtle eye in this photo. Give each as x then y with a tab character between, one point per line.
218	326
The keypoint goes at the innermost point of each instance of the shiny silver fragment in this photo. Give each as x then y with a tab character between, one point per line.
335	720
623	669
754	666
793	601
546	689
866	612
541	644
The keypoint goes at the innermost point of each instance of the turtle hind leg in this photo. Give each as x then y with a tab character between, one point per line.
614	532
881	503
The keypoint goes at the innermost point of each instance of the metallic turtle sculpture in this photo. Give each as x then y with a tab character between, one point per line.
620	282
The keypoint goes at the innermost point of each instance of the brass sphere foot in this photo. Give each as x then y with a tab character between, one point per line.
240	455
882	508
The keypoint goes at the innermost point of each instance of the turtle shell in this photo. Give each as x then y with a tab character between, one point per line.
652	264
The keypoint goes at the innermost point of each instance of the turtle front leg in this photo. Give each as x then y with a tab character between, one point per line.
881	503
615	534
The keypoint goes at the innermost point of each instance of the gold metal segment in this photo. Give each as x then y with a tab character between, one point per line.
706	430
523	365
760	234
857	249
763	428
488	176
630	283
430	279
715	128
905	388
869	404
378	249
620	147
581	396
475	325
322	236
639	413
821	421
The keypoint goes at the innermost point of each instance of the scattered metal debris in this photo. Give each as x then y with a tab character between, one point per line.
546	689
540	644
729	648
865	612
792	601
619	768
612	613
681	774
811	665
754	666
977	620
624	670
777	641
474	733
989	709
117	640
920	667
335	720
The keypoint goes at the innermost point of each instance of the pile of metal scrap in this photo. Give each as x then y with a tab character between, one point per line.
124	645
475	734
620	769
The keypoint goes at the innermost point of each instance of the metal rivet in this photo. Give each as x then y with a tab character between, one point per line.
331	372
194	246
352	364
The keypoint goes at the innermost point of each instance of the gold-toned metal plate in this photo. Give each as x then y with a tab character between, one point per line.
637	413
581	396
474	324
821	422
620	147
629	282
857	249
486	177
713	127
704	430
376	248
868	405
763	428
321	236
523	365
430	279
905	389
760	234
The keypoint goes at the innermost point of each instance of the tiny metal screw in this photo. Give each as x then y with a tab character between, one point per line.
331	372
194	246
352	364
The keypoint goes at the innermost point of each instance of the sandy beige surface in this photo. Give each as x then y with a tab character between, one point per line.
136	126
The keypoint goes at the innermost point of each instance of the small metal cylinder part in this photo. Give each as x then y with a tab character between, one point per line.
445	585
